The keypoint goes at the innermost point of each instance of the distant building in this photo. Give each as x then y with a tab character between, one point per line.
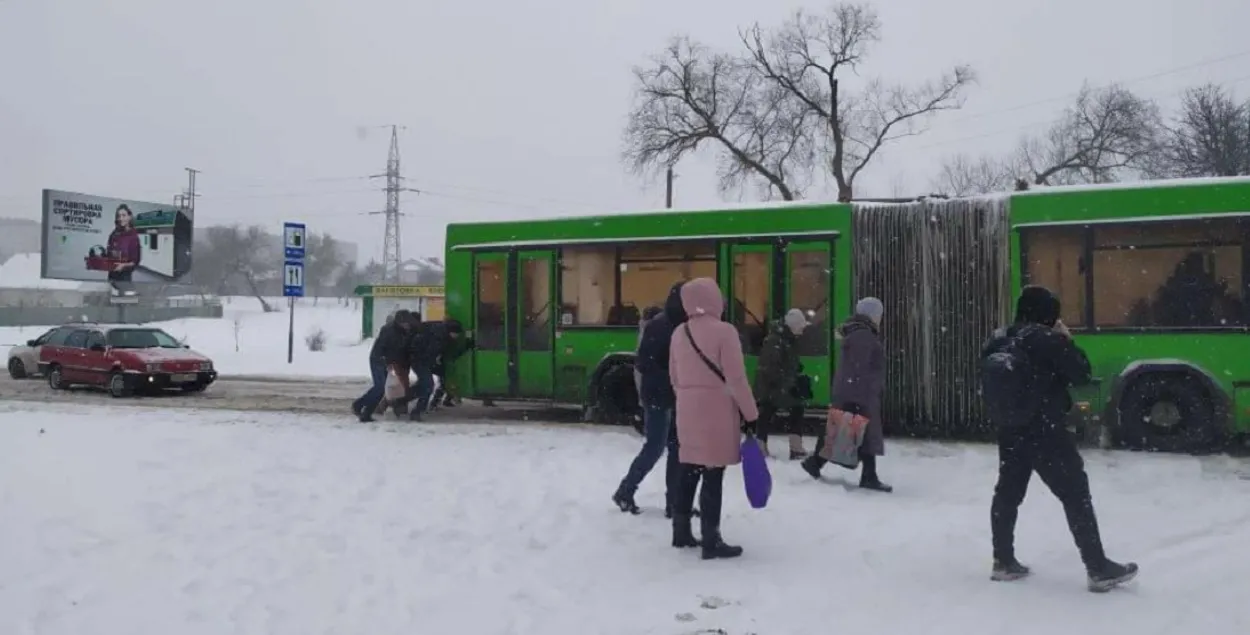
22	285
421	271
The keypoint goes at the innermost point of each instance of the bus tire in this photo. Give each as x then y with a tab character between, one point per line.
1181	402
616	395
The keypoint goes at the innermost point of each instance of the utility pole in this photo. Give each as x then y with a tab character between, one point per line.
668	187
391	255
188	198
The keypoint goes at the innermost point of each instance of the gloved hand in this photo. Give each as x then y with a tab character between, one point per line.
748	427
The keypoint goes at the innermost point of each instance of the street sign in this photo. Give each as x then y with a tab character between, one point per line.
293	279
293	241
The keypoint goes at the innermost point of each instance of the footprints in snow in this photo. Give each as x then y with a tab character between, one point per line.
708	603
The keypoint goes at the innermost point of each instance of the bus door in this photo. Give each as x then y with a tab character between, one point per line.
513	325
808	279
750	301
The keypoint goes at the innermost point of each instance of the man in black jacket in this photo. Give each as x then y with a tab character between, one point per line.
428	342
387	351
658	401
1039	441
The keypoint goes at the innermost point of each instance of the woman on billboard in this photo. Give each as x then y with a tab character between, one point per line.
123	247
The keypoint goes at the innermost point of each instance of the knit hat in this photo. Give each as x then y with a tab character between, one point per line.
795	320
871	308
1037	305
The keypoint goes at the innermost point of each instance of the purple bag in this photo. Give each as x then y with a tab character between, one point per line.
755	475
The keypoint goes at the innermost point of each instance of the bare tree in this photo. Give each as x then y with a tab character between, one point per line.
1209	137
322	264
1105	133
964	175
689	96
807	55
244	252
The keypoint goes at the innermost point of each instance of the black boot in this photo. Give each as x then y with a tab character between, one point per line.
812	465
714	546
868	474
625	501
1008	569
1110	575
683	502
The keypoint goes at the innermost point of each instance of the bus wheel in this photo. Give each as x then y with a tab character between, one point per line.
1168	412
618	396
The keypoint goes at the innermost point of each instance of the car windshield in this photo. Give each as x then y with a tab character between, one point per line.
141	338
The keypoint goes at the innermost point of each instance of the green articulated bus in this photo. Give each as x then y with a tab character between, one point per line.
1154	279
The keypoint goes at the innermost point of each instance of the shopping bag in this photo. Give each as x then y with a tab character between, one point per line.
844	432
394	386
755	475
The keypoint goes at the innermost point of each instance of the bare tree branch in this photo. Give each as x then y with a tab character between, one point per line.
689	95
1209	137
806	56
1105	133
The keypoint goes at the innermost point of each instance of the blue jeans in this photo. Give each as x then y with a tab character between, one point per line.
369	401
659	434
420	391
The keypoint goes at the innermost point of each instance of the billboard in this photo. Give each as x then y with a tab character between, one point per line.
99	239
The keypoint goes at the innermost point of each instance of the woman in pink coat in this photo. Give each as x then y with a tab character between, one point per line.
713	401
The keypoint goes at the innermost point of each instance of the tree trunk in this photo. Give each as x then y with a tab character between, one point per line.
251	282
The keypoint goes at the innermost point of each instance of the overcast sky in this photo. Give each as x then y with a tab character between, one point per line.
513	109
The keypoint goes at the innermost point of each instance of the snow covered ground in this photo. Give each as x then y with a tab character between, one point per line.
138	521
260	338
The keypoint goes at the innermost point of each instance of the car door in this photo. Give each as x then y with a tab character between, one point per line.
72	356
51	349
96	364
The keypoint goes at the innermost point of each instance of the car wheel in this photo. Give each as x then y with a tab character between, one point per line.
117	386
1168	412
17	370
54	378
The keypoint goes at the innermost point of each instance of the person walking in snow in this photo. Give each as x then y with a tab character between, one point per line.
655	394
386	355
1026	372
780	386
858	384
714	408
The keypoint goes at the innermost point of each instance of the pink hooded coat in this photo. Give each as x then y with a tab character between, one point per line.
708	419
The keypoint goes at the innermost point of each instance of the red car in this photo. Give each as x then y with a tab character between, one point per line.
123	359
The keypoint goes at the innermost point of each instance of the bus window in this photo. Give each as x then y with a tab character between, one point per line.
809	292
1054	261
535	304
649	270
490	305
751	291
587	285
1178	274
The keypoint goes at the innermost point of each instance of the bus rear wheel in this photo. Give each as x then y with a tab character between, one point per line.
1168	412
618	397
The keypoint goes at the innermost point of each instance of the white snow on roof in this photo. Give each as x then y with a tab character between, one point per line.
23	272
1134	185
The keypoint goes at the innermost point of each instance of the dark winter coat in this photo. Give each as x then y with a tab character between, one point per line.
859	381
1055	362
656	388
389	345
429	343
777	374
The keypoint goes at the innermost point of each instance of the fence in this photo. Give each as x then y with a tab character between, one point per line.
41	316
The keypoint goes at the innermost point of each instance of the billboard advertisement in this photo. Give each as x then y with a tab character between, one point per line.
99	239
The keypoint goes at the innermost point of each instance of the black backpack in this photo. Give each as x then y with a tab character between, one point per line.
1007	383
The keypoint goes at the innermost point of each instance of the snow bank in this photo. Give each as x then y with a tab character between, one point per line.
219	523
261	338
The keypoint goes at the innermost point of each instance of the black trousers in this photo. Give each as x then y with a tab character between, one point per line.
781	421
1054	456
710	497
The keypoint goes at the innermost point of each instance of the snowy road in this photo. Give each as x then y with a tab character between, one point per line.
144	521
310	395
